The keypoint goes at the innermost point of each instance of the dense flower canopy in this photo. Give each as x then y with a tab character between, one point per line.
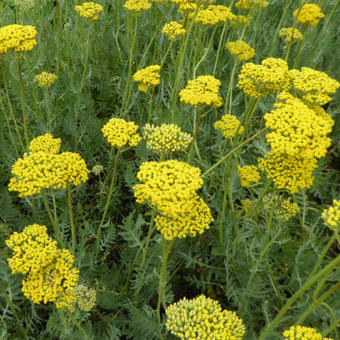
309	14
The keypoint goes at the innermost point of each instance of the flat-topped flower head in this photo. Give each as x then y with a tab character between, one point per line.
118	132
137	5
239	20
45	143
213	15
147	77
229	126
312	86
50	274
18	38
287	209
331	215
202	90
248	174
166	138
24	5
303	333
290	172
173	30
260	80
192	218
45	79
86	298
241	50
290	35
309	14
89	10
203	318
249	4
297	129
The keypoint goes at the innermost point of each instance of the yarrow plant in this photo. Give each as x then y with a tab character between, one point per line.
24	5
240	49
85	297
213	15
229	125
248	175
147	77
331	215
249	4
50	274
303	333
203	318
309	14
166	138
290	34
89	10
173	30
45	79
137	5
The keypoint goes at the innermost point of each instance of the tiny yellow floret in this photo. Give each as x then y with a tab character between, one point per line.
45	79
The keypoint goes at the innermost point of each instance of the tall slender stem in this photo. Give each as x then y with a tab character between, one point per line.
24	114
77	324
113	181
198	120
49	116
70	212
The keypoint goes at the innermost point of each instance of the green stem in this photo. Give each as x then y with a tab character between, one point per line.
326	270
113	181
49	117
332	327
49	212
199	112
77	324
162	282
70	212
229	96
24	114
317	303
221	40
58	37
247	141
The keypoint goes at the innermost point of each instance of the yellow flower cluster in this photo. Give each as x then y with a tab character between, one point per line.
202	90
45	79
118	132
214	14
289	172
248	175
303	333
313	86
239	20
170	187
89	10
97	169
309	14
45	143
240	49
43	168
166	138
147	77
203	318
18	38
137	5
173	30
287	209
297	129
260	80
331	216
185	5
50	274
290	34
86	298
24	5
229	125
247	205
249	4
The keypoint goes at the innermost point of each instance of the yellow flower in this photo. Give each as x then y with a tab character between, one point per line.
260	80
173	30
290	34
248	175
214	14
119	132
303	333
240	49
239	20
202	90
291	172
309	14
45	79
147	77
313	86
89	10
297	129
229	125
249	4
247	205
85	297
287	209
137	5
166	138
50	275
331	215
45	143
203	318
18	38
